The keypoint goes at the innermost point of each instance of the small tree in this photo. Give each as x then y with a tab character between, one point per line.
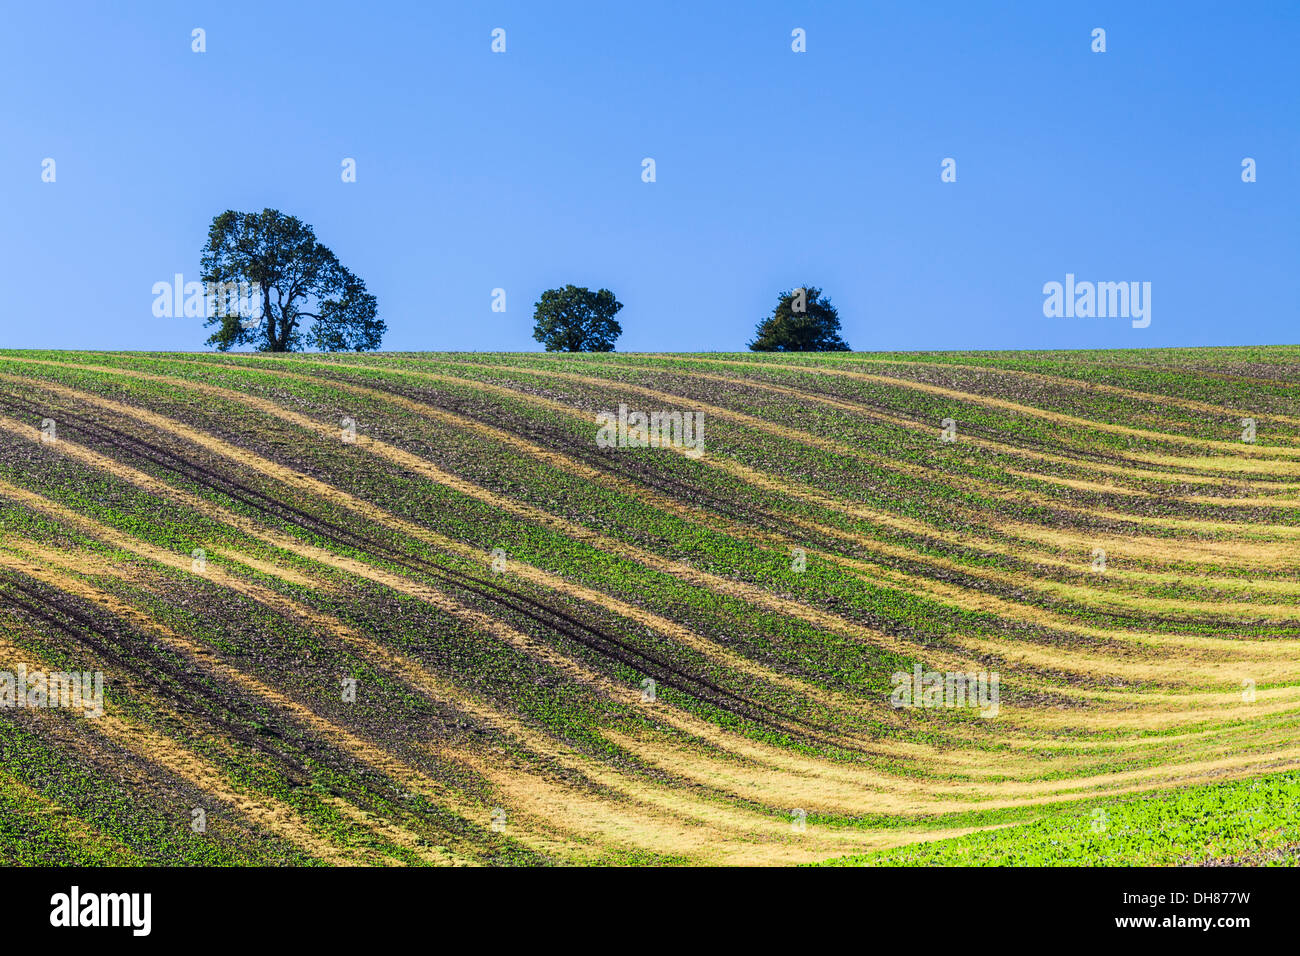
575	319
297	278
802	321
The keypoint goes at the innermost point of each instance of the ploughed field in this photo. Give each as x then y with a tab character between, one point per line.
405	608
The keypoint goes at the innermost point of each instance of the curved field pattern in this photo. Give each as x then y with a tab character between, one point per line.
413	609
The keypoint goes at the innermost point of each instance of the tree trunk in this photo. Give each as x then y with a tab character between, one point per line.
270	317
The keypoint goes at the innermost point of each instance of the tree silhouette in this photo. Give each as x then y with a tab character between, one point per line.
803	321
575	319
297	278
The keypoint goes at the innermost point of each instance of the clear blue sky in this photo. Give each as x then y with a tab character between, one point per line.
523	170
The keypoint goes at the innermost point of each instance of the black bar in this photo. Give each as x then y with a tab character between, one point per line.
299	906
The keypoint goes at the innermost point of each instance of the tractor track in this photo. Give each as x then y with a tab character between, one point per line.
592	638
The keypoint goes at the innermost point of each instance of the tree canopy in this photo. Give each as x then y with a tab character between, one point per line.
297	278
803	321
575	319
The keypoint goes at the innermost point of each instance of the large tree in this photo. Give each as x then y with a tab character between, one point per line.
575	319
803	321
298	279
